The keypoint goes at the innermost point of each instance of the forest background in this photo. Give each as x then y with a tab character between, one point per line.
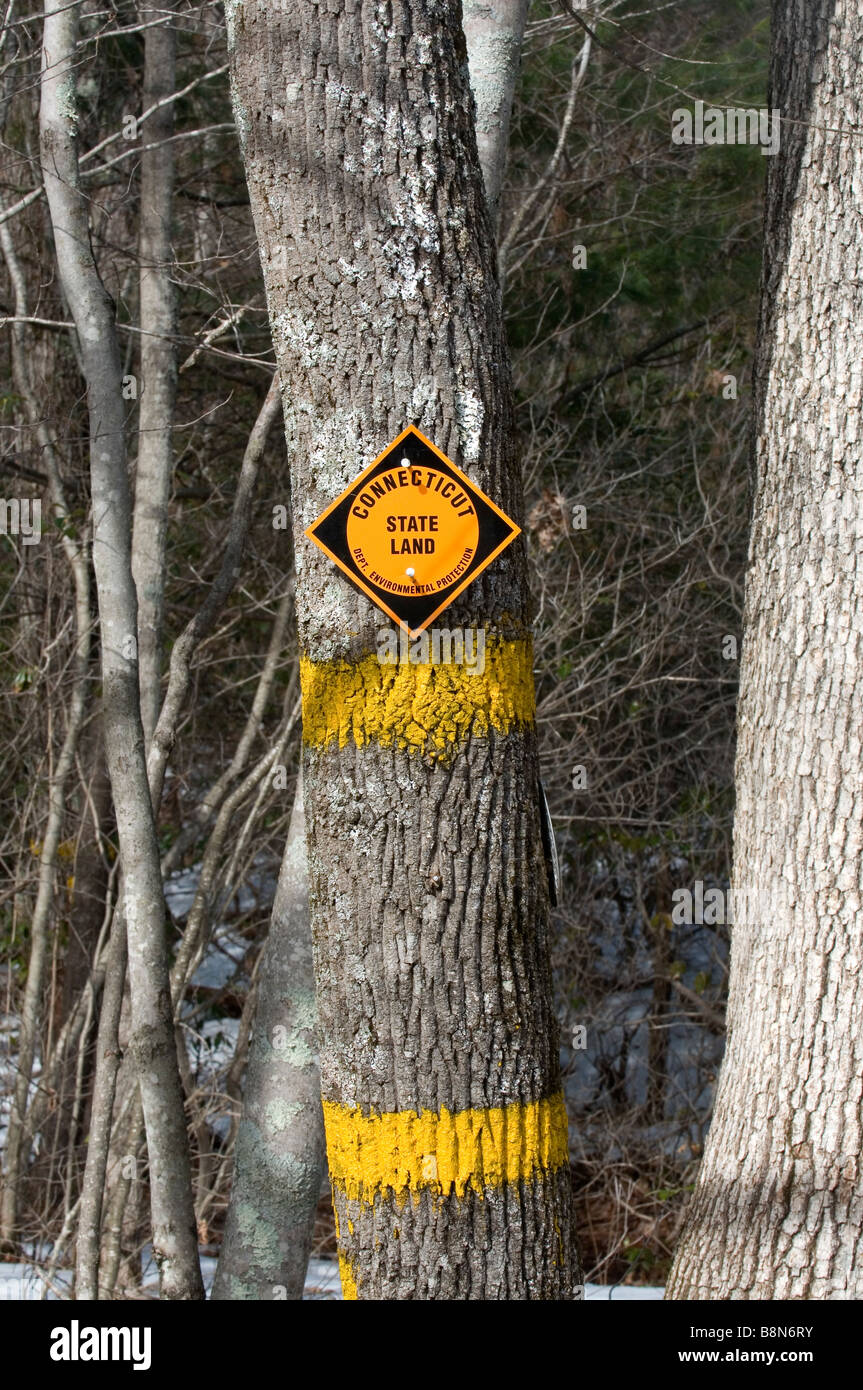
631	365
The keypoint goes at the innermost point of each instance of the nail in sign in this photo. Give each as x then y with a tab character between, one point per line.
412	531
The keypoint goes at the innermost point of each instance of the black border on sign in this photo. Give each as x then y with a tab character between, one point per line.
329	533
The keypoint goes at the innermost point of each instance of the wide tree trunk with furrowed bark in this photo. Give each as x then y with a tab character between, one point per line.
778	1209
446	1130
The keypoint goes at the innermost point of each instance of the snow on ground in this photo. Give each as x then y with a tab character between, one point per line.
10	1025
24	1282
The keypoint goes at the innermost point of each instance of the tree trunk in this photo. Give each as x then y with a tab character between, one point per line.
93	1186
280	1163
778	1208
279	1158
446	1130
152	1041
158	387
494	30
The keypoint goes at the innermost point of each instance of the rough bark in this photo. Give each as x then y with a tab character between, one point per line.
778	1208
445	1126
494	30
152	1041
279	1156
280	1161
158	385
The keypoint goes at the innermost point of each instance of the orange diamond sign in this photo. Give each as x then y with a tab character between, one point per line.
412	531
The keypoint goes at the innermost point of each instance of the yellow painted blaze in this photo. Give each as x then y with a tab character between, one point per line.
428	708
349	1283
446	1152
